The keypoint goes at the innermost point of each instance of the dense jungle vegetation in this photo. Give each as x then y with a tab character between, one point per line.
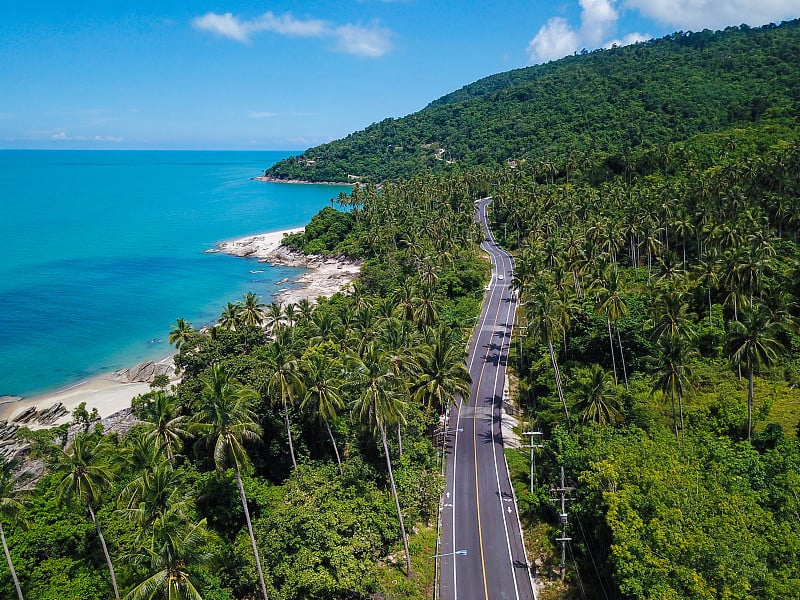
608	101
656	347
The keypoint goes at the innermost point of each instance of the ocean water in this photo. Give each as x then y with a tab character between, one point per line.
104	250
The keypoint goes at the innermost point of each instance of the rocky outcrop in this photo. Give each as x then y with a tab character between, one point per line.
144	372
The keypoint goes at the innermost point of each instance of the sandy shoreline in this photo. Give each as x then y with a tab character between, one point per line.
110	394
324	276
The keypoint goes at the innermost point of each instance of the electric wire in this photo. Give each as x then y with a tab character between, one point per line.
591	556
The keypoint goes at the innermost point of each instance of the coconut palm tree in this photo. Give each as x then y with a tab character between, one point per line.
181	548
595	399
85	475
440	374
225	418
10	508
752	343
547	321
150	496
230	318
611	303
180	333
164	424
673	374
322	383
251	311
379	404
282	382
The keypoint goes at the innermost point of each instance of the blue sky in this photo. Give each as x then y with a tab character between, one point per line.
238	74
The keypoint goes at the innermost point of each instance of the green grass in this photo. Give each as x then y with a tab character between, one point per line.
392	581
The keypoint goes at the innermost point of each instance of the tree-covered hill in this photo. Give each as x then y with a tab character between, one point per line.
607	101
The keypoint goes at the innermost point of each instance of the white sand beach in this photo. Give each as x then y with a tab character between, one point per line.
109	393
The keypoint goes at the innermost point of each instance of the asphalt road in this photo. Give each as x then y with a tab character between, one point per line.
481	553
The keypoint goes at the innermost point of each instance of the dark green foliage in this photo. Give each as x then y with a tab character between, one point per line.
607	101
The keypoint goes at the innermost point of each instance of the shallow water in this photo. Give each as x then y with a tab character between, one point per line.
104	250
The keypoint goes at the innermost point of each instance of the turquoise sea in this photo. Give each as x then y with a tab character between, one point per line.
104	250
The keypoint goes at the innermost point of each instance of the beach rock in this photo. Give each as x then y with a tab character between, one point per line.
49	415
25	416
144	372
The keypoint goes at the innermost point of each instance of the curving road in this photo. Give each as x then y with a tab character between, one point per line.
481	552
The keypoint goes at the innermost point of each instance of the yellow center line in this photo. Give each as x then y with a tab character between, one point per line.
475	453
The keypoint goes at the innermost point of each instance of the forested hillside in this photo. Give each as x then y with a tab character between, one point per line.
607	101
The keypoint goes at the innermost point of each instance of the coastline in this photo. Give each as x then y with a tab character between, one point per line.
112	393
324	276
272	179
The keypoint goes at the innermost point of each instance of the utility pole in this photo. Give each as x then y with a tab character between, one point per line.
562	491
533	448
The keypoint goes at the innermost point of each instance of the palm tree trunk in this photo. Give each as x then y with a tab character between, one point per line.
335	449
10	564
396	500
105	551
680	408
611	343
709	305
289	432
749	400
557	374
250	531
400	441
622	358
674	415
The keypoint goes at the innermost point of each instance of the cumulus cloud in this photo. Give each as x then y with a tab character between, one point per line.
555	39
696	15
372	42
558	38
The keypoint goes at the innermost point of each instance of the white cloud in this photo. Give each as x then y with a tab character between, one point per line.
554	40
261	114
558	38
631	38
62	136
229	26
372	42
223	25
696	15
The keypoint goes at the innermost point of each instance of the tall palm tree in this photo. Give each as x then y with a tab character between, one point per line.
547	320
150	496
595	399
611	303
322	382
225	418
180	333
164	424
230	318
752	343
251	310
283	382
85	476
440	374
181	548
673	374
378	405
10	508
